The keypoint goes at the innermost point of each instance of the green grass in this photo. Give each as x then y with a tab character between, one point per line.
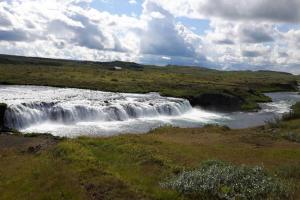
133	166
186	82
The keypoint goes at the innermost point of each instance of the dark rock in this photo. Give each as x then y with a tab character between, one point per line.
34	149
291	86
218	102
3	108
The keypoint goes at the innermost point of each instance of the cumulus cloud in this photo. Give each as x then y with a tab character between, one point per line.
265	10
273	10
4	21
13	35
60	23
242	34
247	53
161	36
132	1
256	33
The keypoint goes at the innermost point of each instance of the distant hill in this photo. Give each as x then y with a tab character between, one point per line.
270	71
22	60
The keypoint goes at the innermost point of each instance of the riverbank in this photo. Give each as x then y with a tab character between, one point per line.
133	166
211	89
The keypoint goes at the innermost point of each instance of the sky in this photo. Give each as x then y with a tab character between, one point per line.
221	34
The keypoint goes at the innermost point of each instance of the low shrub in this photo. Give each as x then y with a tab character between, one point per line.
220	180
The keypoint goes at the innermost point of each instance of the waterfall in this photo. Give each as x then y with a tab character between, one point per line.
37	105
70	112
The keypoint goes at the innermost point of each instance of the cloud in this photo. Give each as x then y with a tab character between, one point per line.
242	34
252	54
13	35
253	10
271	10
224	41
256	33
161	36
132	2
88	35
4	21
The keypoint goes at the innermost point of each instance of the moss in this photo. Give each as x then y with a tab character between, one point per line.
250	106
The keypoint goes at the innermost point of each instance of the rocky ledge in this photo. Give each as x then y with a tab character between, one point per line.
3	107
217	102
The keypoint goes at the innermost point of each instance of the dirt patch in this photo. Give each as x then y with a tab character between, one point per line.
26	144
257	140
100	185
109	190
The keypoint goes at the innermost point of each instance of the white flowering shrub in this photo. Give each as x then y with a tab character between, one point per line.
220	180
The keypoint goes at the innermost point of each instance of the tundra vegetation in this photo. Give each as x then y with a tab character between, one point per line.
167	163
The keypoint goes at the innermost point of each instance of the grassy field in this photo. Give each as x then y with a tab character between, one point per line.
187	82
134	166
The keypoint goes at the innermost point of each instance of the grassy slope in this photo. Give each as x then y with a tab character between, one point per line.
170	81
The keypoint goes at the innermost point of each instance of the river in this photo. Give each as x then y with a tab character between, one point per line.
70	112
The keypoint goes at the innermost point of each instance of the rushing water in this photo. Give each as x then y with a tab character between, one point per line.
74	112
282	102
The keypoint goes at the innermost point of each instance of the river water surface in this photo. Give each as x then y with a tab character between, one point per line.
73	112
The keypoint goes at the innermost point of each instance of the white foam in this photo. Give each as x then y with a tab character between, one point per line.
74	112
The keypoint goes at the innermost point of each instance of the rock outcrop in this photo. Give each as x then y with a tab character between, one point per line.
218	102
3	108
